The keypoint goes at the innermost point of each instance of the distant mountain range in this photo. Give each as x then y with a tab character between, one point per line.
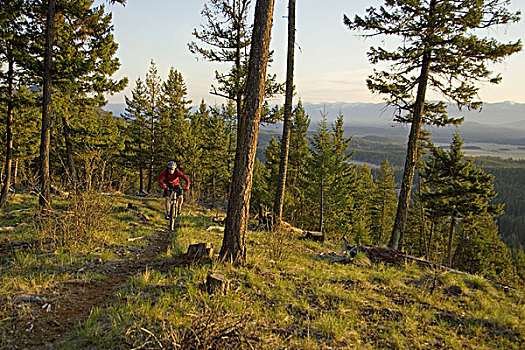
501	123
507	114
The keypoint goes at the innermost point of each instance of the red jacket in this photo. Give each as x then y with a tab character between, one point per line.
165	178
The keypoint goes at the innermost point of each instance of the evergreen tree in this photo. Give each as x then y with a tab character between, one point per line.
285	140
153	86
234	241
480	250
216	159
456	189
297	179
12	47
383	204
175	137
360	213
444	49
228	35
272	153
135	155
332	177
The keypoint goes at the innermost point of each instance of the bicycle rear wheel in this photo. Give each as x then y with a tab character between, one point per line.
173	215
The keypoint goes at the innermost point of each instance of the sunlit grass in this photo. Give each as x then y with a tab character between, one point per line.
288	295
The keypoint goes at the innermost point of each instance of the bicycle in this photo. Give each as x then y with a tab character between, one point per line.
174	211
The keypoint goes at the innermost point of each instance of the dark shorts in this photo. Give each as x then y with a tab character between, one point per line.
170	189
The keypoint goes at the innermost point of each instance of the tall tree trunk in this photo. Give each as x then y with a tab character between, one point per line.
450	238
238	97
398	231
69	151
321	208
234	241
9	133
15	174
285	141
141	180
152	148
45	140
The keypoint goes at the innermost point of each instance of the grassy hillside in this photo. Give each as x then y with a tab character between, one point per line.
102	286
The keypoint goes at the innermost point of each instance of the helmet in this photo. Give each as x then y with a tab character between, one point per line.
172	165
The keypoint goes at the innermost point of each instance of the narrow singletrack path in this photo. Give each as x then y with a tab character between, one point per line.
72	302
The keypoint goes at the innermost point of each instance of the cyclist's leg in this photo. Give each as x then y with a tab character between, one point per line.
180	198
167	194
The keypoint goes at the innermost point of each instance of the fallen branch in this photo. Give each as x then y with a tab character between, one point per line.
30	299
135	238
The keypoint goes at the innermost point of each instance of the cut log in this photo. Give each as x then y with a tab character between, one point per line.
217	284
219	219
286	227
200	251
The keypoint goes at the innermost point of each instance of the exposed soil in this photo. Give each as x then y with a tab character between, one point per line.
72	302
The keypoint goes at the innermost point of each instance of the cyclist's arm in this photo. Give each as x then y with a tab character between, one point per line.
185	178
161	178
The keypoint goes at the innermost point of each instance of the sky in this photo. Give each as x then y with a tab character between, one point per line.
330	61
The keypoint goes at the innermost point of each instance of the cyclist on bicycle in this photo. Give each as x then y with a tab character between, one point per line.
169	181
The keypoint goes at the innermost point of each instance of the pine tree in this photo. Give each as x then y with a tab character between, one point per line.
295	209
234	241
174	139
135	155
456	189
285	140
228	35
215	158
383	204
332	177
360	213
480	250
431	36
153	85
12	48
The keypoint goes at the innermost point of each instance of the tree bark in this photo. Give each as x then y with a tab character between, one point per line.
234	242
321	206
398	231
45	185
450	238
285	141
69	151
141	180
9	134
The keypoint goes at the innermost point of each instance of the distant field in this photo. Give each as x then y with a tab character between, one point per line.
476	149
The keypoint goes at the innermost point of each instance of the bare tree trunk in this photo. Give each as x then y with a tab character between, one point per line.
450	238
45	140
234	242
398	232
69	151
285	141
15	174
9	133
141	180
321	206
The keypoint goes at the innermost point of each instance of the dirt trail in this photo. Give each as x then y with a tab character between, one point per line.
72	303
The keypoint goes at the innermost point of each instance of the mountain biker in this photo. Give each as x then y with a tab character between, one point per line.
169	181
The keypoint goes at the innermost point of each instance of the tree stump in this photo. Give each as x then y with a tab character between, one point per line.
200	251
217	283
